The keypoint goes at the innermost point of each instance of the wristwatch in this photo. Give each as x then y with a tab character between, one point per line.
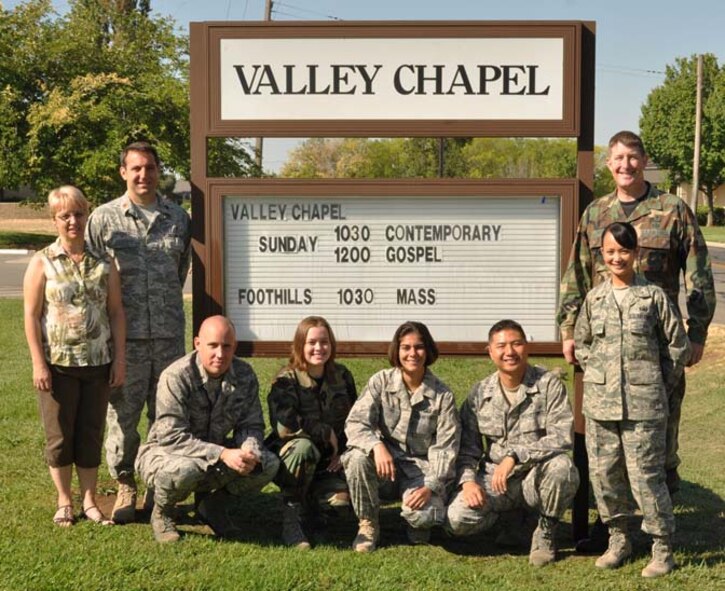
512	454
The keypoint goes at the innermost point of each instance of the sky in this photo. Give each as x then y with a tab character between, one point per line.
635	40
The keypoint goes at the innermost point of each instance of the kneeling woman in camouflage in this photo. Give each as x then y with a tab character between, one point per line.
308	404
403	435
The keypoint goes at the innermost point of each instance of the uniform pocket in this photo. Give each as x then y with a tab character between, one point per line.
654	250
641	371
426	423
594	374
490	428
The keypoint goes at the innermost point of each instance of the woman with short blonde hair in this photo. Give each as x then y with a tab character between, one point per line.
76	333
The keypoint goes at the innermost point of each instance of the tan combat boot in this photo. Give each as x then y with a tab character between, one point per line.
163	525
124	509
543	542
367	536
620	548
663	562
292	532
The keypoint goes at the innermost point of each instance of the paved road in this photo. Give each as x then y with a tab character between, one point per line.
12	268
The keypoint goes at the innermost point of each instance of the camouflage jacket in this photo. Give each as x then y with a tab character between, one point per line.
153	263
74	323
193	422
629	357
422	429
670	245
536	427
298	407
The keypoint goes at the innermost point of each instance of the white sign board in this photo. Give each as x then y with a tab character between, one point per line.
398	79
456	263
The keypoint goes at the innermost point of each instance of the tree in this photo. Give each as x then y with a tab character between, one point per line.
418	158
75	89
667	124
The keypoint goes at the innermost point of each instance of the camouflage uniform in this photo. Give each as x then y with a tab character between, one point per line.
182	454
421	431
153	263
670	245
303	415
630	354
538	428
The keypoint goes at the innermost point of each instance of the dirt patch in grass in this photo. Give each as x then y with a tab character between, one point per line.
714	355
23	218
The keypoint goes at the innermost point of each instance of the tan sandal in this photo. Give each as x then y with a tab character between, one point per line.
94	514
64	516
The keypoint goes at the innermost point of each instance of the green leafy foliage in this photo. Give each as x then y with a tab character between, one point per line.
667	123
76	88
462	158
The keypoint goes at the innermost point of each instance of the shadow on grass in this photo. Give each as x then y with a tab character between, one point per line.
699	523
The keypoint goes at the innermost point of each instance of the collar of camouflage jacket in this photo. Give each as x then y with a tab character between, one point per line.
130	208
638	288
530	380
229	377
427	387
649	203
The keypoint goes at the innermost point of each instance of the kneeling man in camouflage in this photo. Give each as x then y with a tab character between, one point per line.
517	429
201	398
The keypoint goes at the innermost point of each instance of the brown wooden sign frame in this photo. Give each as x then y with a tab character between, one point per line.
206	37
565	189
206	122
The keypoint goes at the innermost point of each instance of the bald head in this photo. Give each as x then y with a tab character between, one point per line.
216	344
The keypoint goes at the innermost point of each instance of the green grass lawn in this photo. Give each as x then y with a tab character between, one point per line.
25	240
37	555
714	233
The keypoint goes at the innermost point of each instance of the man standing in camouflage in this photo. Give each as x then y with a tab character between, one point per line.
670	246
201	398
150	240
522	415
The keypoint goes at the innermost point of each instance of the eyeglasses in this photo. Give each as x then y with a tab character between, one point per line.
66	217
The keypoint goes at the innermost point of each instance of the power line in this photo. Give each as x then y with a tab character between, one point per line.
307	10
624	69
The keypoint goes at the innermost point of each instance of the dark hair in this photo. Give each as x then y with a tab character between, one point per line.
144	147
506	324
629	139
623	232
297	355
410	326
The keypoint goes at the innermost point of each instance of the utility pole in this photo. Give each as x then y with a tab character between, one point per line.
698	124
259	143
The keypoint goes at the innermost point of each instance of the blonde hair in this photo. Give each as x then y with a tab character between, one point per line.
67	195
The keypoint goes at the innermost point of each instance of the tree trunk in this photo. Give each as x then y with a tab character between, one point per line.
710	205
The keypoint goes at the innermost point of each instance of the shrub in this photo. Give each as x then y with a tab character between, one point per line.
718	215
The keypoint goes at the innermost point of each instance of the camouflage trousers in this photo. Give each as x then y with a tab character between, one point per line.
366	489
675	398
174	478
547	488
303	475
630	455
145	360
